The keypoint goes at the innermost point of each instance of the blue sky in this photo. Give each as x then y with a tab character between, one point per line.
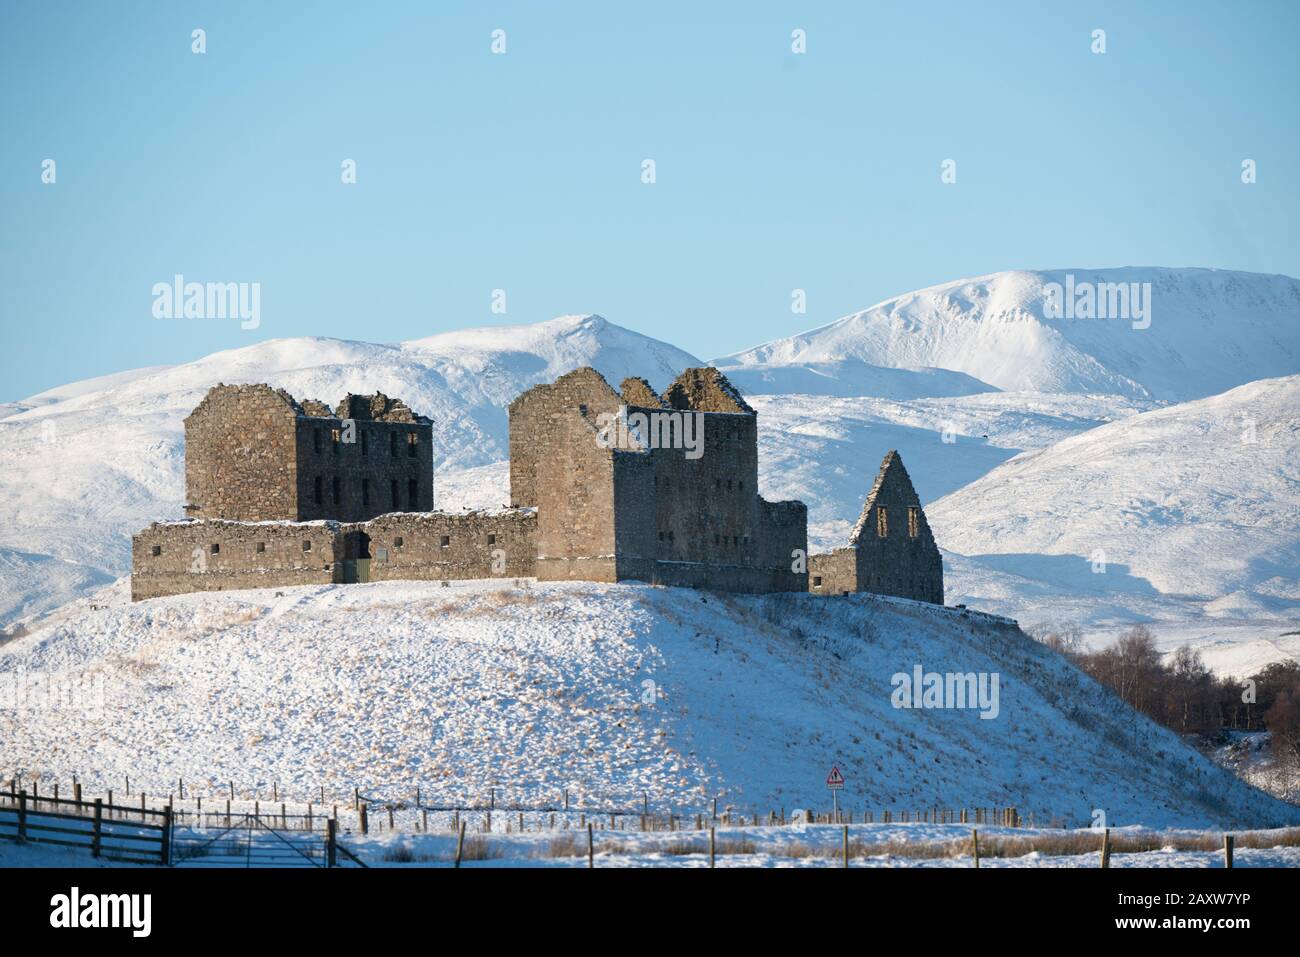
522	171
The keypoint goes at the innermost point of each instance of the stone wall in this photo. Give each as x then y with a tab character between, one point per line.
706	508
539	427
575	493
834	573
438	546
784	531
240	456
172	558
388	467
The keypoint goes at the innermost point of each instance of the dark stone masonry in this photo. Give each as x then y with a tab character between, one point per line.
605	486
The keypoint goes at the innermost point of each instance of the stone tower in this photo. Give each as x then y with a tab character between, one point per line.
254	454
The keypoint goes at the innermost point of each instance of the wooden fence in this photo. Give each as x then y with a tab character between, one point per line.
110	831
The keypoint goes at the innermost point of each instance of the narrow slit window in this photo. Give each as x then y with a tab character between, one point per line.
413	493
318	493
337	489
913	522
412	440
365	493
394	491
882	522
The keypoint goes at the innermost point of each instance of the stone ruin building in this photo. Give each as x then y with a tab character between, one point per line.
891	550
604	486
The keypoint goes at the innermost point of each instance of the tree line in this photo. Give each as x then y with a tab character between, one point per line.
1181	693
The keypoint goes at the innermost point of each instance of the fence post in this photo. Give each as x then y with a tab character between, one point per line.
331	849
1227	850
99	828
711	845
76	791
975	846
365	819
167	837
22	815
1105	848
846	845
460	843
591	848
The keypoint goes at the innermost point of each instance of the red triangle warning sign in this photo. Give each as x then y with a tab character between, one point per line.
835	779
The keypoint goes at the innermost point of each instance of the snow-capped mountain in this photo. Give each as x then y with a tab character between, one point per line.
88	464
1209	330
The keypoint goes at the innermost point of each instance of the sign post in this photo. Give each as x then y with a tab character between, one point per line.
835	781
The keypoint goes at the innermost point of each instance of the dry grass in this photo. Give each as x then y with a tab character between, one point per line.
991	846
479	604
478	848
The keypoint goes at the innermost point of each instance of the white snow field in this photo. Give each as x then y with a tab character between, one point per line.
619	693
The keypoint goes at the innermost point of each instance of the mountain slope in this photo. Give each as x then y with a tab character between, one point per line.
1198	502
611	691
1210	330
826	451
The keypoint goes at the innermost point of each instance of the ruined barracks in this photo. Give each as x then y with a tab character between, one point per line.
604	486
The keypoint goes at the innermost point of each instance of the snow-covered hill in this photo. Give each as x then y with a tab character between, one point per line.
90	463
608	690
1210	330
1184	512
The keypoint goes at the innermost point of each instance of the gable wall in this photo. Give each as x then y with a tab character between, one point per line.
241	457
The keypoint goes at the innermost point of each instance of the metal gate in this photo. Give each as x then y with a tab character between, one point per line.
250	842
